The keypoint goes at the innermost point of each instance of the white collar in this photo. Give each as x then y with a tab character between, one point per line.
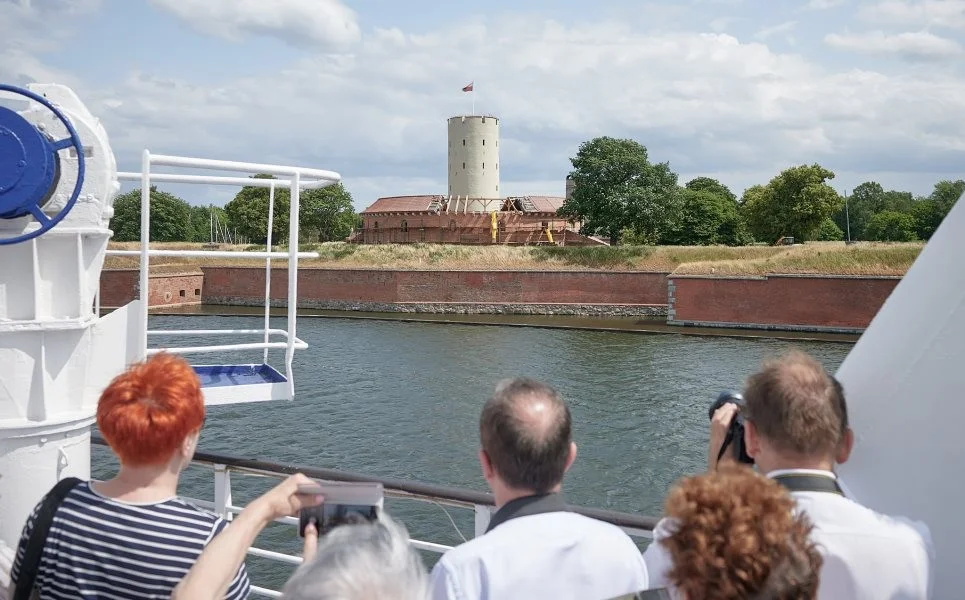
818	472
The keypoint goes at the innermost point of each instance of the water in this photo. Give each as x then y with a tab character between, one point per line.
403	400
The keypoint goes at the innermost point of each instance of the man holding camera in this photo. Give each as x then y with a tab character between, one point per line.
534	547
793	426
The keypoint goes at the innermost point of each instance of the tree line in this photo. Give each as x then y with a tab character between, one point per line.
324	215
621	195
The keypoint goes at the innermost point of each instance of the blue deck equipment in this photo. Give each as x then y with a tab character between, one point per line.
222	375
29	167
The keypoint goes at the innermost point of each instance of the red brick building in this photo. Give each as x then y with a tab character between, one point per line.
525	220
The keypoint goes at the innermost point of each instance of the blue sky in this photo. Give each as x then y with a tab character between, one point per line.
732	89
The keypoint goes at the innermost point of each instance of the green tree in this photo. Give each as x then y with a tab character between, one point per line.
323	214
170	217
896	201
706	184
947	193
829	232
327	214
892	226
795	203
247	213
200	219
928	215
931	211
865	201
707	217
617	189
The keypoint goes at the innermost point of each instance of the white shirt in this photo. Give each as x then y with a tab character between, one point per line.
554	555
867	555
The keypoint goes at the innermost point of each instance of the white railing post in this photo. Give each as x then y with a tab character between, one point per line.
271	221
482	515
222	491
292	278
145	240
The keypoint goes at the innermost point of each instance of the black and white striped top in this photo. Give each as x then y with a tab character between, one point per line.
100	548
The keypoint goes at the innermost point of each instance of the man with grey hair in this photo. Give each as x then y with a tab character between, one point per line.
361	562
534	547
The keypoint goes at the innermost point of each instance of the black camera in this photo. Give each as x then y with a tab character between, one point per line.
735	433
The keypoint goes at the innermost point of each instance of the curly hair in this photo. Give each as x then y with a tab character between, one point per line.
148	410
737	537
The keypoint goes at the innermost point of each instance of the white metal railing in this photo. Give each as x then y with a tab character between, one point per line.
441	497
300	178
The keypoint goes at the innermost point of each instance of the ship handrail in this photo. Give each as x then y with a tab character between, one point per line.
480	502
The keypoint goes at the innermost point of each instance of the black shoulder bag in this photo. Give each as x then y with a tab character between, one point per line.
38	537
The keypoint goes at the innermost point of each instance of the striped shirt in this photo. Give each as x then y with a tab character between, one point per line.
101	548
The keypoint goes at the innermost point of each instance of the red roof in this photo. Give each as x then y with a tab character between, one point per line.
409	204
401	204
546	203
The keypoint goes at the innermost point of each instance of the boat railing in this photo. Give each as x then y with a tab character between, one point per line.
480	503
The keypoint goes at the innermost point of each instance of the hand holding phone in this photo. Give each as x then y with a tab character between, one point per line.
345	503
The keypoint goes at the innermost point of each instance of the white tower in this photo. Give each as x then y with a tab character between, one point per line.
58	179
474	158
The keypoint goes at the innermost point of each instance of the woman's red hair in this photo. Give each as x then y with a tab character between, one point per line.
147	411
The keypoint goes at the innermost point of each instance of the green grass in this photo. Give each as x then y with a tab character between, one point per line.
864	258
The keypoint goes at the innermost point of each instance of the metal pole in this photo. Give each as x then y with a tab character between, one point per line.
271	220
847	216
145	241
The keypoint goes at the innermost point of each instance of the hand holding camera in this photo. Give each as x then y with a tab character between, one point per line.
727	431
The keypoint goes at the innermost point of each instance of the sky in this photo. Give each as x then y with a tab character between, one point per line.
732	89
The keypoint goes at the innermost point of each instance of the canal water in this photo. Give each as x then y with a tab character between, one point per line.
402	399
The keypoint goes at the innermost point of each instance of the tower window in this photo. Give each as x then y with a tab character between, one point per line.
463	165
484	165
463	141
484	142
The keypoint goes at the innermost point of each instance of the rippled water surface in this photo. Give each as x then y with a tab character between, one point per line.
403	400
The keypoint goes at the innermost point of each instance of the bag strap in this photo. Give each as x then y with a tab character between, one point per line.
30	564
653	594
809	483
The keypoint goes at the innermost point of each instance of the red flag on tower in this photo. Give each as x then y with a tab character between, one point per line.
468	88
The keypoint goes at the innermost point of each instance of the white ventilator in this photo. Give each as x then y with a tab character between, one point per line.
905	384
58	179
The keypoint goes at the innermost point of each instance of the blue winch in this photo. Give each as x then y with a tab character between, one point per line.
30	167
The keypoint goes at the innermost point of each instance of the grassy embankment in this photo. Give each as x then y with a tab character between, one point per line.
832	258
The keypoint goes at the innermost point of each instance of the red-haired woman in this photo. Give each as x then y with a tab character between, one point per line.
733	534
131	536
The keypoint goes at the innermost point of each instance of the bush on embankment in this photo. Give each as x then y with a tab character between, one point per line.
831	258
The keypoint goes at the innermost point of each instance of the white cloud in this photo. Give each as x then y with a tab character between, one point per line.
708	103
773	30
915	45
824	4
938	13
301	22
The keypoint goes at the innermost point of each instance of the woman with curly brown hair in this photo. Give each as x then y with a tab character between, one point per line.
736	536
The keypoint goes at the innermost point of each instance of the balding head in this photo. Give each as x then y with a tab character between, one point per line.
797	407
525	430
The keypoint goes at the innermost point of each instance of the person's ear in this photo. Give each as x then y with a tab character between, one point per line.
570	457
189	444
845	447
487	465
752	440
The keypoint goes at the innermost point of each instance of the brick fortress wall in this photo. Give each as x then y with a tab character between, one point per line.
560	292
778	302
787	302
120	286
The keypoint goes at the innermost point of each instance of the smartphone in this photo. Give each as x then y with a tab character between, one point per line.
345	503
